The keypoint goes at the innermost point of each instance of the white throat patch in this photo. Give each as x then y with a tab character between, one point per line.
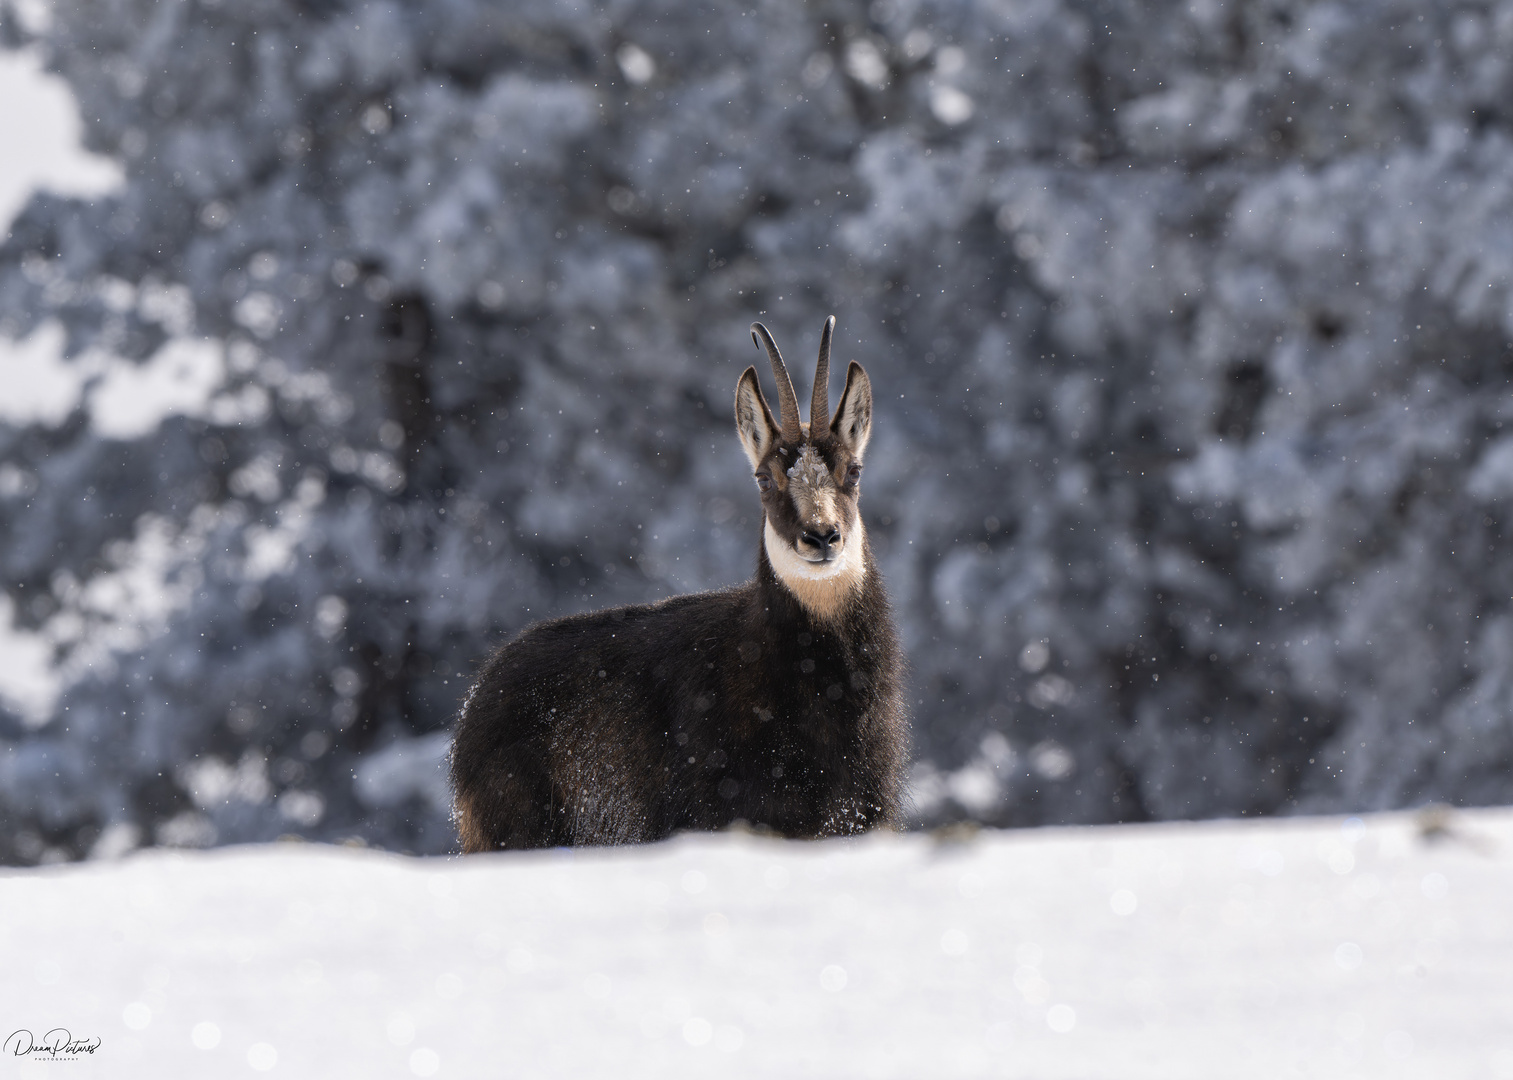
821	587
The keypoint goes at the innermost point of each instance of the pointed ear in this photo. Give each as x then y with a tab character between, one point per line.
853	416
753	420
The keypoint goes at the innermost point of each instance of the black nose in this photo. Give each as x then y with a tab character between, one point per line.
823	539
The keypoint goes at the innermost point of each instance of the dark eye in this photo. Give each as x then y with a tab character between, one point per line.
763	481
854	473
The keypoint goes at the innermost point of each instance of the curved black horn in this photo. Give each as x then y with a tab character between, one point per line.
788	402
819	402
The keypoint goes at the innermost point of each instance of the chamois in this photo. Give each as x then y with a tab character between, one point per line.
778	702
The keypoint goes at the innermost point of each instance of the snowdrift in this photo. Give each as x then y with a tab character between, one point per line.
1374	947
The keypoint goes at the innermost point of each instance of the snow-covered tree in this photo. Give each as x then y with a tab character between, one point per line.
1190	322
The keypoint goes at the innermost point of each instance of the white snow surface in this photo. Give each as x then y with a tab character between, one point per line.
1300	947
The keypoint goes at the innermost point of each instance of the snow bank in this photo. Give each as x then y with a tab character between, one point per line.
1303	947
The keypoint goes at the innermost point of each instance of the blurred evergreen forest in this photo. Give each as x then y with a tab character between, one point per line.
1190	323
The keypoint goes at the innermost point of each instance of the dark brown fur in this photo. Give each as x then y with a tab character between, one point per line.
627	725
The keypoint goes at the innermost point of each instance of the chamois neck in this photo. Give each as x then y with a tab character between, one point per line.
823	590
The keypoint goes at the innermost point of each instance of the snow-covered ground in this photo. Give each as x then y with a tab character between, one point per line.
1370	948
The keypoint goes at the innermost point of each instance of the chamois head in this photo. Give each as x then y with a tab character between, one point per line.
809	475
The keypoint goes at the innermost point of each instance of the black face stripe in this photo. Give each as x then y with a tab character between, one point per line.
778	501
